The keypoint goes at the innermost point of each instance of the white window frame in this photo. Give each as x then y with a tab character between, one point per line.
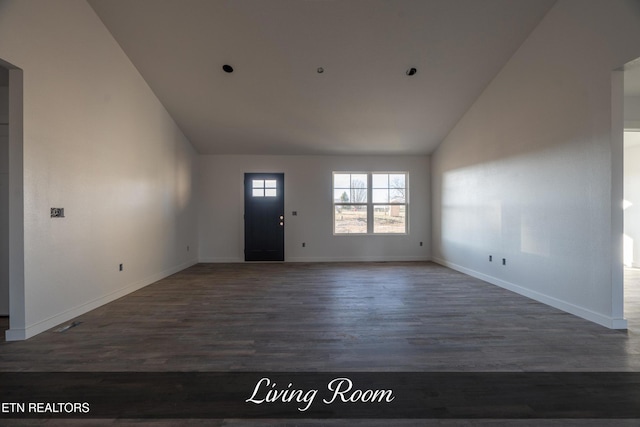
370	204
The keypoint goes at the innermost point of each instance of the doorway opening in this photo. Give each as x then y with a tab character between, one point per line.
4	199
631	190
12	295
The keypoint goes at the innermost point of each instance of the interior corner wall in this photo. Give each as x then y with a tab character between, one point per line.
308	191
526	174
98	143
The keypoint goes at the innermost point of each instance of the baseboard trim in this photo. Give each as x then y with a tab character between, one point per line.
608	322
324	259
15	334
65	316
220	260
360	259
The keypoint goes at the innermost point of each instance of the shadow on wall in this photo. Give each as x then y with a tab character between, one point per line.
536	160
507	184
507	204
540	211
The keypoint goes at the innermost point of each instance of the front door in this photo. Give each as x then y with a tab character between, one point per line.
264	217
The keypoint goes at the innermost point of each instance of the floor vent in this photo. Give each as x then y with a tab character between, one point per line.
65	328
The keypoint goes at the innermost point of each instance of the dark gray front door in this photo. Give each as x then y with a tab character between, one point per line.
264	217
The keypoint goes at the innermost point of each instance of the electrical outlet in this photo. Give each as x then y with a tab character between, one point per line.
490	258
121	267
504	261
420	243
57	212
304	245
187	248
294	213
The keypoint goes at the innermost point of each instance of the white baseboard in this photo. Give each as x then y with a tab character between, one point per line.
609	322
323	259
14	334
359	259
220	260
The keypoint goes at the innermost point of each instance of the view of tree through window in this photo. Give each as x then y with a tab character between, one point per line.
366	203
350	197
389	203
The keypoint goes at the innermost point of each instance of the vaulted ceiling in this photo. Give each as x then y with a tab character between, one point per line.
276	101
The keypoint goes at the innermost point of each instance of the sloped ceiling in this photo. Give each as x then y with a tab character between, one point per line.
275	101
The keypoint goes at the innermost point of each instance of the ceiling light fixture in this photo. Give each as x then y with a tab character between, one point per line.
227	68
411	71
320	70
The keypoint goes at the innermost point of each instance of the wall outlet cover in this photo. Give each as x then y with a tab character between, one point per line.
57	212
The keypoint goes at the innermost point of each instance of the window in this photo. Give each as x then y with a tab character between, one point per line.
370	203
263	188
350	195
389	202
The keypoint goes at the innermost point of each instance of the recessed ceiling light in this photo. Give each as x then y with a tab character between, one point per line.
411	71
227	68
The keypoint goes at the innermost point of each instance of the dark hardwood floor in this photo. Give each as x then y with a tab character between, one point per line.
632	299
4	325
330	317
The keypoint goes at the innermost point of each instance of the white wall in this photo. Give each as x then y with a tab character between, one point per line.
308	190
526	174
98	143
632	196
632	112
632	181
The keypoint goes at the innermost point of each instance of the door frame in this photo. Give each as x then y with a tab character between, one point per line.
245	178
17	298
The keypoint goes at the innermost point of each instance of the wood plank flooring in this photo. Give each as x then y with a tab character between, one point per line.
328	317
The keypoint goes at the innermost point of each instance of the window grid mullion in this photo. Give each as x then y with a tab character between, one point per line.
370	206
369	203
